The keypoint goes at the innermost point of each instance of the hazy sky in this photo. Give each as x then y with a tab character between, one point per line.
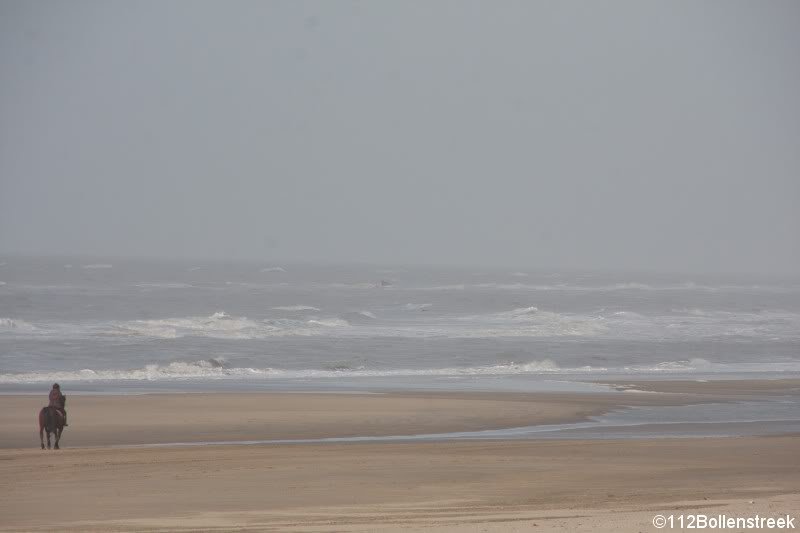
625	134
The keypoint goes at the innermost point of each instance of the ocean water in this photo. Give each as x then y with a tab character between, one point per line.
152	326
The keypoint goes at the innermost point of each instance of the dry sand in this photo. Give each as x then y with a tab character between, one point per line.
434	486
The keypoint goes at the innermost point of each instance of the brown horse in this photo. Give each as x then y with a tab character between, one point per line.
52	421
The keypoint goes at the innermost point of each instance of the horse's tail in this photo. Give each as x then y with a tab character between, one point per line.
43	423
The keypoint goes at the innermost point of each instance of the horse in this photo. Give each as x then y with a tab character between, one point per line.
52	421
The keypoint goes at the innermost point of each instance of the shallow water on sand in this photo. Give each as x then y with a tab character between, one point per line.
776	416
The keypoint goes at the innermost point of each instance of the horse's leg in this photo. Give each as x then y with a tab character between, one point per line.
41	431
58	437
48	437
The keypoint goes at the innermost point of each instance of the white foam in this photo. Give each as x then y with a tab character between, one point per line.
360	315
218	368
218	325
533	322
97	266
330	323
527	322
164	285
703	312
273	269
698	323
704	366
628	315
14	324
520	322
685	364
346	286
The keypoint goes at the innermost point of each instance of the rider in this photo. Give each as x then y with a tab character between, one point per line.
58	401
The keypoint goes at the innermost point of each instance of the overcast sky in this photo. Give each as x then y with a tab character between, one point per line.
625	134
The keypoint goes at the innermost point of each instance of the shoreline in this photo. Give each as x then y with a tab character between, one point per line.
273	417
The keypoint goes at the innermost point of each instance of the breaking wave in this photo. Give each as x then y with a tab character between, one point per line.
97	266
221	325
531	321
698	323
308	321
296	308
273	269
686	364
359	317
164	285
328	323
17	325
383	284
219	369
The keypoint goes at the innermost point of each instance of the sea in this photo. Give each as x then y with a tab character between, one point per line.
124	326
143	325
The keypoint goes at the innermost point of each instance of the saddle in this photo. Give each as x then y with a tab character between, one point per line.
59	411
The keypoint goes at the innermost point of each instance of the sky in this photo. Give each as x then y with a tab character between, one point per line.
652	135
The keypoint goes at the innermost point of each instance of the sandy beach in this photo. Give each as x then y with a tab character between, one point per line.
95	485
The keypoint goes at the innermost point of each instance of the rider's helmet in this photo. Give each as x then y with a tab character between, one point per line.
56	386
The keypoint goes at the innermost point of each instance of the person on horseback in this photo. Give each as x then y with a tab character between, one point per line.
58	401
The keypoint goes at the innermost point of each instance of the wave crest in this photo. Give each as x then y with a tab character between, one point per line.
13	324
219	368
533	322
417	307
296	308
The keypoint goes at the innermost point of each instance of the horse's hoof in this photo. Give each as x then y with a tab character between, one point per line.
43	446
